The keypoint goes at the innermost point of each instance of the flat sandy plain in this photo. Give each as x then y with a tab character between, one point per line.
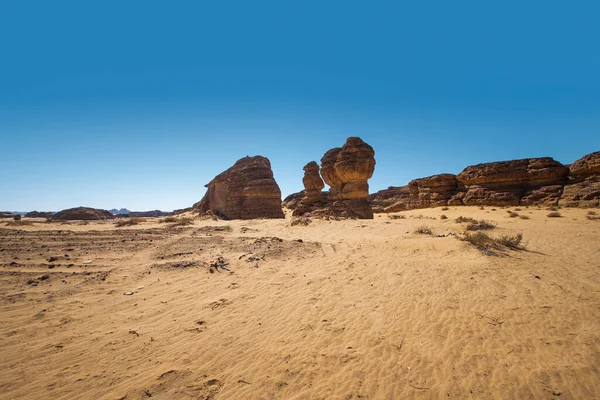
354	309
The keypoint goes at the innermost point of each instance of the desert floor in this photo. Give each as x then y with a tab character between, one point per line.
354	309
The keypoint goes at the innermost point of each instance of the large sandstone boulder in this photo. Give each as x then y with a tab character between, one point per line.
313	184
504	183
247	190
293	200
82	213
346	170
583	188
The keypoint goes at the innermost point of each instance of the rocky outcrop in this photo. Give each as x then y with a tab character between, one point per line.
387	197
293	200
82	213
6	214
504	183
247	190
432	191
347	171
583	187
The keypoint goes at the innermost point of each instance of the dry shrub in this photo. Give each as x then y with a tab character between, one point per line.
554	214
443	217
481	225
168	220
512	214
424	230
484	242
129	222
517	209
523	217
445	208
593	217
462	219
181	222
397	216
512	242
591	213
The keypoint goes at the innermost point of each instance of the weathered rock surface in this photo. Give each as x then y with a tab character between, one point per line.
432	191
387	197
293	200
247	190
583	188
82	213
504	183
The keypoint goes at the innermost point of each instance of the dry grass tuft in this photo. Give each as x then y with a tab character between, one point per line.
481	225
554	214
462	219
512	214
523	216
424	230
443	217
397	216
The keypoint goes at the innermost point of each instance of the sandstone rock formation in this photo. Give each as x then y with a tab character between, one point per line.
504	183
583	188
82	213
293	200
313	186
346	170
247	190
387	197
530	181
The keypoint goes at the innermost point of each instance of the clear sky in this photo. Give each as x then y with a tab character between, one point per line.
138	104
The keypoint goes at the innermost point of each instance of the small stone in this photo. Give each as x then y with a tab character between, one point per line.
128	293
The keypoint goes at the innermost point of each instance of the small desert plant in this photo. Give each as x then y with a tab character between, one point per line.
301	221
424	230
493	209
398	216
481	225
591	213
517	209
445	208
462	219
554	214
168	220
17	217
523	217
129	222
512	214
443	217
512	242
480	240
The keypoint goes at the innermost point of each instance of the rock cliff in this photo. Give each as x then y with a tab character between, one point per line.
583	187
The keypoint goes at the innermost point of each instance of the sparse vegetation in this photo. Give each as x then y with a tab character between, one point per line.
481	225
424	230
554	214
19	223
517	209
181	222
129	222
445	208
512	242
591	213
168	220
301	221
397	216
443	217
512	214
487	244
462	219
523	216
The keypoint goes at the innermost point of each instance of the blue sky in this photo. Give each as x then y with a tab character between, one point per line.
139	104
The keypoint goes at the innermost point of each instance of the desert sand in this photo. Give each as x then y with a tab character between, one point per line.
351	309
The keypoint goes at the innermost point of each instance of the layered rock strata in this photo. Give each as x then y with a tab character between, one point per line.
82	213
247	190
583	187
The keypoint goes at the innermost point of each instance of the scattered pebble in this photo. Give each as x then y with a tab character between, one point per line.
128	293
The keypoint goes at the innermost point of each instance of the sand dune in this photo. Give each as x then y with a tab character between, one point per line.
333	310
